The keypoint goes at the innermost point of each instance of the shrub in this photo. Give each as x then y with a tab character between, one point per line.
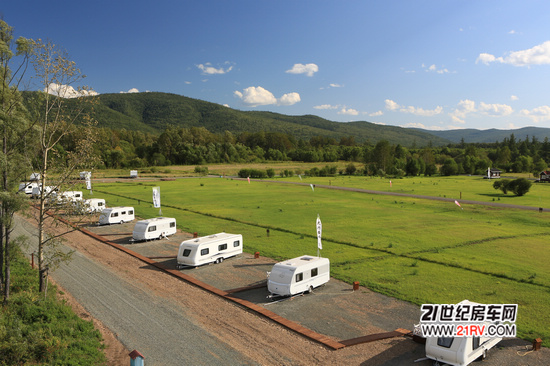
252	173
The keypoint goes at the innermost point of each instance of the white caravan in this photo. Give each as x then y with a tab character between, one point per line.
298	275
155	228
92	205
35	177
116	215
38	189
27	187
69	196
459	351
209	249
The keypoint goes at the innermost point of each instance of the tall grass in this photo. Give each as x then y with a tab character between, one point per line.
38	330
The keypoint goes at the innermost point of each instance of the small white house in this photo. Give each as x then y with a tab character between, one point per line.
92	205
459	351
85	175
116	215
27	187
155	228
209	249
133	173
298	275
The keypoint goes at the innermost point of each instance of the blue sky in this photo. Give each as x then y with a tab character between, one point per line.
434	64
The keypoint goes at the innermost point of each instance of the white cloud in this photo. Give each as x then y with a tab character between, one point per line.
538	55
187	82
464	107
434	68
133	90
289	99
308	69
326	106
538	114
393	106
497	110
256	96
348	111
208	69
67	91
332	85
376	114
514	97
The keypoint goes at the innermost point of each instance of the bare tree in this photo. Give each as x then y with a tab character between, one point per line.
63	113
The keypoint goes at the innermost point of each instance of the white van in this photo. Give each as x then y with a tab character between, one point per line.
209	249
155	228
116	215
92	205
298	275
459	351
27	187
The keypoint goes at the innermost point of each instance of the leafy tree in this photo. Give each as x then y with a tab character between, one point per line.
56	115
520	186
15	133
449	167
502	184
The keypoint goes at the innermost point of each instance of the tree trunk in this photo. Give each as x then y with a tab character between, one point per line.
7	269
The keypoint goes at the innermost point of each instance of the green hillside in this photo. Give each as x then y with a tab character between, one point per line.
154	112
492	135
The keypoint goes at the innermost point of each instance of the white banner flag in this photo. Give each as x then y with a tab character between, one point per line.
156	197
319	231
89	181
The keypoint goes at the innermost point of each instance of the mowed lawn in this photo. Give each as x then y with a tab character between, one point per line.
417	250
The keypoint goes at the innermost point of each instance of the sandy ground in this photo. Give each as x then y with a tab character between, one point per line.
258	338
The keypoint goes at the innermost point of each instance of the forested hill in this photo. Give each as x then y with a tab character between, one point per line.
153	112
492	135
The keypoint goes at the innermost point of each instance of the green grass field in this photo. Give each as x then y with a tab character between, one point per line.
418	250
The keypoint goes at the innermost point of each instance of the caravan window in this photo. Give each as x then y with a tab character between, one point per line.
172	224
186	252
114	214
130	212
222	247
445	342
236	243
299	277
152	228
475	343
123	213
100	204
205	251
314	272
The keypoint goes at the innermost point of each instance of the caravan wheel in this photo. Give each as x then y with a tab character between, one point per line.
310	290
219	260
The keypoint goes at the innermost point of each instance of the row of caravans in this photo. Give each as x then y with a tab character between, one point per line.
287	278
149	229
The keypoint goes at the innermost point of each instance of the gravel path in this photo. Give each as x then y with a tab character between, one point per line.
159	328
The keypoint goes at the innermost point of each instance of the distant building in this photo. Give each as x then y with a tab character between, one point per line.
494	173
544	176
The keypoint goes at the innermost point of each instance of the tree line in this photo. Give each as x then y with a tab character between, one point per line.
198	146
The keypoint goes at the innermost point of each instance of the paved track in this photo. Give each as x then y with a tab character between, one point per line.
156	327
